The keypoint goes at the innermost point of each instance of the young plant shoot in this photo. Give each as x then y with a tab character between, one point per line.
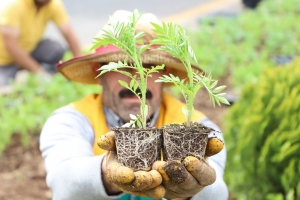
123	36
173	40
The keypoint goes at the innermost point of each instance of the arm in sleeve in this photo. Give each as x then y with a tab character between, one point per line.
218	190
73	172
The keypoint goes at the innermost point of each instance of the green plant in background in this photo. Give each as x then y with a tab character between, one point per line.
122	35
262	131
172	39
244	45
25	110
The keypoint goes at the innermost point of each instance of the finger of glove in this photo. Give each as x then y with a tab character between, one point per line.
156	192
183	180
176	171
107	141
156	179
214	146
111	164
168	183
190	183
142	180
117	173
187	188
204	173
159	166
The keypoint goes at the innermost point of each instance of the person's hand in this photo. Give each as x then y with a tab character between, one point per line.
140	183
183	180
179	180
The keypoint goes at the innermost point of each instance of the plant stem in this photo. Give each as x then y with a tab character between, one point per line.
143	89
190	74
190	99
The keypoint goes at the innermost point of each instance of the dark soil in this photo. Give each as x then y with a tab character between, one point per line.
138	154
180	141
176	171
22	174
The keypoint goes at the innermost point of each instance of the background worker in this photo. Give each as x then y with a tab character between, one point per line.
22	25
78	169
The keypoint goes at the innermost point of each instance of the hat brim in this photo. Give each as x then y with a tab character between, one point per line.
78	69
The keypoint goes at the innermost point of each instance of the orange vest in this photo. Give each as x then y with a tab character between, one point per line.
91	107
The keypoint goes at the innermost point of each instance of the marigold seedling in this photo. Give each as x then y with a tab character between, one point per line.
123	36
172	39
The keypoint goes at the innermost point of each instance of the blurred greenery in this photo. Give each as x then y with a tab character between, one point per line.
243	46
262	136
26	109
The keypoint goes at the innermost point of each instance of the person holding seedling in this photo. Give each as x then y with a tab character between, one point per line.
128	62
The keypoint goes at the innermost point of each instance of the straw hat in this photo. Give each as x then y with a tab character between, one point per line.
78	69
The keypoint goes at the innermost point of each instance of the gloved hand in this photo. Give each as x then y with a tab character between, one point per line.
178	179
186	179
140	183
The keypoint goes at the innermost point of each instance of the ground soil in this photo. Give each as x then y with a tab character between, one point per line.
22	174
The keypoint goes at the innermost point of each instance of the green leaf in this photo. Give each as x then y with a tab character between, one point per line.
213	84
135	86
157	29
144	48
220	94
139	35
131	84
125	73
139	124
124	84
224	100
219	89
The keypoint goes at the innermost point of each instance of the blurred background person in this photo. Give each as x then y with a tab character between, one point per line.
22	46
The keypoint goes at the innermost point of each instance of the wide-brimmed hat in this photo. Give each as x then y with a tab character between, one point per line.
79	69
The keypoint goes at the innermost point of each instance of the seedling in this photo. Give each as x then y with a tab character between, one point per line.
122	35
173	39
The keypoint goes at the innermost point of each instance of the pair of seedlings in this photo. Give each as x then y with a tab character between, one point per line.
138	146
